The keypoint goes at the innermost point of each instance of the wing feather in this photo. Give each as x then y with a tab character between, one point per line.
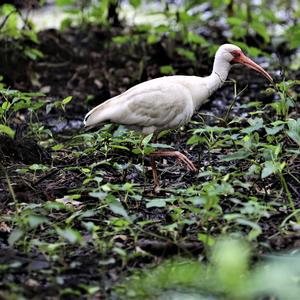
160	107
152	104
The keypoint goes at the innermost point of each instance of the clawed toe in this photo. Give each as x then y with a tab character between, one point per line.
188	163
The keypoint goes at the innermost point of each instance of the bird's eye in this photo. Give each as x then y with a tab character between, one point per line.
235	54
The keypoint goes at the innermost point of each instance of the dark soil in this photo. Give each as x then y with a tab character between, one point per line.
86	64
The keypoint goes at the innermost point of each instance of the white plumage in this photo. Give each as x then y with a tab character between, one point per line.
154	105
168	102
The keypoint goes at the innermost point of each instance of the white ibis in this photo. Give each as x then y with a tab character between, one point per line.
168	102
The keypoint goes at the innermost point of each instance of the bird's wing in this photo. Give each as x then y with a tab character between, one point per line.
159	103
159	106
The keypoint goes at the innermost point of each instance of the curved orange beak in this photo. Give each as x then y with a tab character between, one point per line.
243	59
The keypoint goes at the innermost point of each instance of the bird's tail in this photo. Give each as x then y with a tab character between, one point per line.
100	114
93	117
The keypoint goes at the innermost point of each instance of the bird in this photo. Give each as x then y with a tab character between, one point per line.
168	102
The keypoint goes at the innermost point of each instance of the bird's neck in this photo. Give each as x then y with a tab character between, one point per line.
219	74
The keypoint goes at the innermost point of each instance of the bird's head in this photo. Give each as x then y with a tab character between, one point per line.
233	54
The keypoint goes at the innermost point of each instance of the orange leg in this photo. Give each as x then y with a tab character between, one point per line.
154	172
189	164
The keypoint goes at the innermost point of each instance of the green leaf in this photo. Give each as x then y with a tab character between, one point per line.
211	129
271	167
65	2
152	38
195	139
197	39
71	235
118	209
5	105
261	29
35	221
7	130
14	236
10	27
99	195
31	35
33	53
256	229
274	130
294	130
293	35
147	139
148	149
269	15
89	289
235	21
240	154
186	53
119	39
67	100
166	70
156	203
162	146
119	147
38	167
206	239
87	214
49	107
57	147
255	124
135	3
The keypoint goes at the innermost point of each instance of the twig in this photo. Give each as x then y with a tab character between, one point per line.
45	177
225	119
24	19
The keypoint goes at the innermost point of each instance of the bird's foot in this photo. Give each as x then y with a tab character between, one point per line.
189	164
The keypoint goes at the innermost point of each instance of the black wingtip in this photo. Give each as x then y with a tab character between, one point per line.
85	119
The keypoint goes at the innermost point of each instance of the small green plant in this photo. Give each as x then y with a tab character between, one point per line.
287	99
10	29
60	104
13	101
227	275
84	12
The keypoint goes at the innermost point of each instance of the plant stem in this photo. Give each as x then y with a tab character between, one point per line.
288	193
10	188
235	95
